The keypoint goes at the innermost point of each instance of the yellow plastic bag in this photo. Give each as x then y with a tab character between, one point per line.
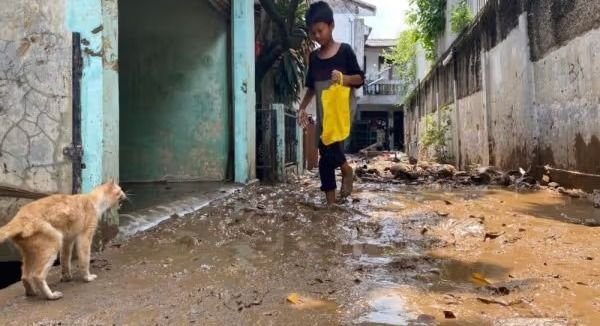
336	113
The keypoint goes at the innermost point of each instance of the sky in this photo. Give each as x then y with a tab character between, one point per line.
389	21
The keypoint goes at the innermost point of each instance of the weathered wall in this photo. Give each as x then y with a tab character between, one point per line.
35	89
509	80
566	51
35	103
528	86
471	128
174	89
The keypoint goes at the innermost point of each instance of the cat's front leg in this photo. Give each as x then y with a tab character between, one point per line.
84	247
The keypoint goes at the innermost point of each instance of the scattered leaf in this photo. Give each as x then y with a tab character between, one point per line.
449	314
479	279
582	283
502	303
294	298
492	235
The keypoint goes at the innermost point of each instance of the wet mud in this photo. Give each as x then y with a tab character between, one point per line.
392	255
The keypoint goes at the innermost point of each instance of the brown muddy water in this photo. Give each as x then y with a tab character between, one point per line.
395	255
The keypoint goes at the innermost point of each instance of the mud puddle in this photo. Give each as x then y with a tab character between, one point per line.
395	255
479	256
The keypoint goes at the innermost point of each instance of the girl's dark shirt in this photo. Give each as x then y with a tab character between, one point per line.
344	61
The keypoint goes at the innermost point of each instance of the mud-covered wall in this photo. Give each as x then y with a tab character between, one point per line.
566	55
527	85
174	90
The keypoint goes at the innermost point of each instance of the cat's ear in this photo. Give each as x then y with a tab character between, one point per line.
111	181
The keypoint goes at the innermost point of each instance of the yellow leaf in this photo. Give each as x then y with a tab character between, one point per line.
294	298
479	279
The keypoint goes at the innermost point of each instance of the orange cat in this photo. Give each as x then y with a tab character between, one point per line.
46	226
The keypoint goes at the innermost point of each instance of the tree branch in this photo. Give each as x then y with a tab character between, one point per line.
291	18
271	9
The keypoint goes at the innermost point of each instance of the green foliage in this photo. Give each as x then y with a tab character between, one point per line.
433	135
429	19
460	16
436	135
286	53
403	56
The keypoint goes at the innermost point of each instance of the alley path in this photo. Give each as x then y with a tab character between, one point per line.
397	255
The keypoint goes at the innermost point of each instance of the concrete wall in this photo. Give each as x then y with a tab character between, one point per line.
372	61
35	91
35	100
527	86
175	107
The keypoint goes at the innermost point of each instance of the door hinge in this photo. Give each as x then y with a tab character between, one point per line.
74	152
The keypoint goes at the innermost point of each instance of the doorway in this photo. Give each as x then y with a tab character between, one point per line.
174	97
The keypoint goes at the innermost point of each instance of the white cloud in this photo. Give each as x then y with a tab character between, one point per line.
389	21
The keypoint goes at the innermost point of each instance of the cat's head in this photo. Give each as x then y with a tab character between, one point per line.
110	194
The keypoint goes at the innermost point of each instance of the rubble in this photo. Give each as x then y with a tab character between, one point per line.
390	168
398	168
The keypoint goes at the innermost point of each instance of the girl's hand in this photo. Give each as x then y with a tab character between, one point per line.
337	77
302	118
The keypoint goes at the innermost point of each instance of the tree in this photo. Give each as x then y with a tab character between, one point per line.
429	19
403	56
286	48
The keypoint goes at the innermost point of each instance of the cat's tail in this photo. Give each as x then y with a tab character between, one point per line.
8	231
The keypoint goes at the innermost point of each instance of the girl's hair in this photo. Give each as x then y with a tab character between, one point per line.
319	12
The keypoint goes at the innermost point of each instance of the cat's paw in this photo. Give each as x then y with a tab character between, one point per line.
55	295
66	278
90	277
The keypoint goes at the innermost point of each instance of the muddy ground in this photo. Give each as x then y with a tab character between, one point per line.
432	254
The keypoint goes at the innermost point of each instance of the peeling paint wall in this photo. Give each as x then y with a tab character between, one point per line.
35	89
174	90
528	86
35	101
35	98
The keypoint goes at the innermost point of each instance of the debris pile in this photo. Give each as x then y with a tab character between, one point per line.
406	170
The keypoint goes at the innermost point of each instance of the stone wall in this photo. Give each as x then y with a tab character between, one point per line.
527	76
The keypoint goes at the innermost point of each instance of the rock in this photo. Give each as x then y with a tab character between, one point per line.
461	174
553	185
412	160
596	198
403	171
545	179
424	165
482	178
488	169
443	170
576	193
